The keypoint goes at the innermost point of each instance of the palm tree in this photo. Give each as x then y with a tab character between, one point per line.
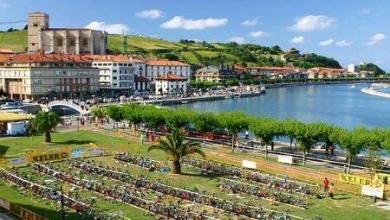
175	145
45	122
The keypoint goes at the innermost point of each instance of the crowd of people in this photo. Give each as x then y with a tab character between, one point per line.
202	198
218	169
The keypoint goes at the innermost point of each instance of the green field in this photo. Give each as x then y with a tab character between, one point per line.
17	40
345	206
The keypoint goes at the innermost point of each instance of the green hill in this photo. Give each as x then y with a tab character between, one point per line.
197	53
15	40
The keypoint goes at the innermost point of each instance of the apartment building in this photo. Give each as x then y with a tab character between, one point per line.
29	76
116	72
170	84
158	68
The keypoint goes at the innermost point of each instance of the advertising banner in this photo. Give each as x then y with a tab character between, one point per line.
285	159
94	152
77	153
249	164
18	161
353	179
372	191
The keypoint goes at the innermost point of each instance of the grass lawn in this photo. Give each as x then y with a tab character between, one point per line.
16	40
345	206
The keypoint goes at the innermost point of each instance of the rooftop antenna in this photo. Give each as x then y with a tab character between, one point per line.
125	42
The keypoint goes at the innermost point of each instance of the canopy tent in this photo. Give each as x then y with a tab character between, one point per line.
13	117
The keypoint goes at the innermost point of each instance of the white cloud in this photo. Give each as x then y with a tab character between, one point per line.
298	40
365	11
237	39
151	14
110	28
179	22
344	43
326	42
376	38
257	34
313	23
251	22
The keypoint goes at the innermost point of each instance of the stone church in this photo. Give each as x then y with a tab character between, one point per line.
63	40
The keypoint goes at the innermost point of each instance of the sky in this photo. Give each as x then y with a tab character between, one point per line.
351	31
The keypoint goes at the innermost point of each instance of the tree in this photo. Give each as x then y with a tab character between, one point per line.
116	113
98	113
206	122
179	118
176	147
234	122
306	138
133	114
266	129
351	142
153	117
45	122
290	126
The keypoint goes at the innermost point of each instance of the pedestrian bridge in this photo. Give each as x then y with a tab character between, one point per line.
69	104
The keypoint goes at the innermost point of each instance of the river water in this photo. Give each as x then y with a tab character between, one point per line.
342	105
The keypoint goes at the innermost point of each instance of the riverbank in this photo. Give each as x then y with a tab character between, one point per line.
186	100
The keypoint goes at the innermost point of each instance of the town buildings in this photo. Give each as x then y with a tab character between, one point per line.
29	76
62	40
116	72
171	84
321	73
274	72
158	68
215	74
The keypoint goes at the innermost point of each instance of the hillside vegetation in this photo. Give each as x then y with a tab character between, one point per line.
196	53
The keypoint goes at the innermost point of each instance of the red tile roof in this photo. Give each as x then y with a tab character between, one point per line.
6	50
323	70
171	77
47	58
165	63
141	79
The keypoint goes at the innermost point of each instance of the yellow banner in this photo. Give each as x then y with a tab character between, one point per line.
37	156
353	179
381	176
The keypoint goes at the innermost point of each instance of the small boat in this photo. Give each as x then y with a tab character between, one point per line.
229	97
353	86
184	102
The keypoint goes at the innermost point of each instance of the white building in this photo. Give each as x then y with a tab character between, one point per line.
170	84
116	72
158	68
351	68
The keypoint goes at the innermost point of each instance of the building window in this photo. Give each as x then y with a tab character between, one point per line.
59	42
35	24
72	42
85	42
